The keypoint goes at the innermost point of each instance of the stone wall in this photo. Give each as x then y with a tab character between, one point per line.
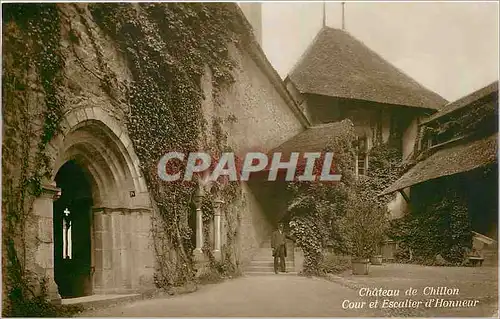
123	254
253	111
410	138
368	117
399	207
95	136
255	117
299	99
255	227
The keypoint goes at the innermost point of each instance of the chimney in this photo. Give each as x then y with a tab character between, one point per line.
253	13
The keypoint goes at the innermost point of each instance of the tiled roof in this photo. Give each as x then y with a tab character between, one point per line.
315	138
338	65
448	161
487	91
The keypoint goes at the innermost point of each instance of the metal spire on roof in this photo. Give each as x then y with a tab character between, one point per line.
343	16
324	14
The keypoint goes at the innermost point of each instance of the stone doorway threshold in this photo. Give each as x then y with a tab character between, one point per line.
100	300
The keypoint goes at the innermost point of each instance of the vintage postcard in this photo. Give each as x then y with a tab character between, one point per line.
250	159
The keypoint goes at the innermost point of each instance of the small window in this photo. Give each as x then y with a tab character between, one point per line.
67	243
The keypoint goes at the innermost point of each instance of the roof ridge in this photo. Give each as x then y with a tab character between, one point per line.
476	91
464	101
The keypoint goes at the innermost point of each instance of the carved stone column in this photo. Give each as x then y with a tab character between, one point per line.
217	229
198	252
43	209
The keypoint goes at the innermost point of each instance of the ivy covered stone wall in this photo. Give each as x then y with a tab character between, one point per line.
153	78
253	116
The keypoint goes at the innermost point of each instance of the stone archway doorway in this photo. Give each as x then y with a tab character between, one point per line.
72	232
97	198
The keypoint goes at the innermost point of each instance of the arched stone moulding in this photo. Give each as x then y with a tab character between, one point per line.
122	259
94	116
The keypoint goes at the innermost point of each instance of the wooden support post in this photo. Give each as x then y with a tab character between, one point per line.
402	192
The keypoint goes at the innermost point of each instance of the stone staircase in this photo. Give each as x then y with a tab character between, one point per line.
490	255
262	263
488	248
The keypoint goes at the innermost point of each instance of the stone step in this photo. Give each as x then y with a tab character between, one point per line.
262	259
268	258
270	268
101	300
269	262
489	264
263	251
265	268
267	244
267	273
268	252
489	252
269	265
268	248
490	258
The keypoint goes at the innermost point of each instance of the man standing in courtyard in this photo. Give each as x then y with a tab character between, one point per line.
278	244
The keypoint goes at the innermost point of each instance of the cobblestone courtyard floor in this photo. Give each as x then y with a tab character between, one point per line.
292	296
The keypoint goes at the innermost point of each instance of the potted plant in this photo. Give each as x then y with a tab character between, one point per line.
376	258
366	222
381	223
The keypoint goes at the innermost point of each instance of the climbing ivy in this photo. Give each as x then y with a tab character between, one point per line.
317	209
438	225
385	166
168	47
230	193
347	217
32	60
478	120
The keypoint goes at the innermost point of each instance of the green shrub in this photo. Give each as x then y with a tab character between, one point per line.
366	225
335	264
441	228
